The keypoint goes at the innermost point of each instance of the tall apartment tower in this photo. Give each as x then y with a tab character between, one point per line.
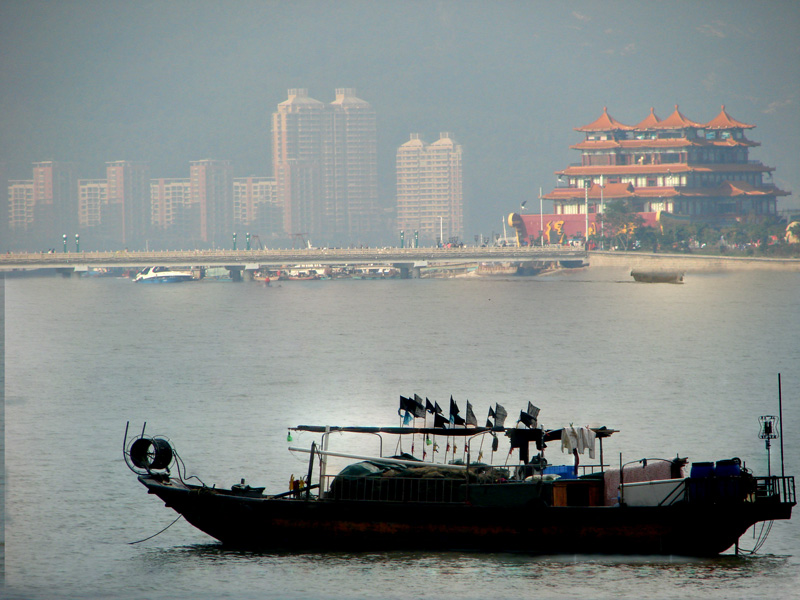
351	171
256	208
297	161
128	196
92	202
211	185
325	165
55	200
21	205
430	197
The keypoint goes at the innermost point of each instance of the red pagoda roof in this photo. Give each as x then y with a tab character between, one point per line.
604	123
651	122
659	143
663	168
724	121
677	121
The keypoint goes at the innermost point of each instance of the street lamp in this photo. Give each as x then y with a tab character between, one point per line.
541	217
586	185
64	237
234	241
441	230
248	240
77	242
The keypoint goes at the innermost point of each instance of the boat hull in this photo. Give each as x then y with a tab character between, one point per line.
264	523
657	276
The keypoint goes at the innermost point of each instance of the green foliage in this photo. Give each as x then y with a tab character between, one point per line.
753	236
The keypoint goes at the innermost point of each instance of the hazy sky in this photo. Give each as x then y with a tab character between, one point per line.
169	82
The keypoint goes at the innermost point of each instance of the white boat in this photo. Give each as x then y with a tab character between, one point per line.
162	275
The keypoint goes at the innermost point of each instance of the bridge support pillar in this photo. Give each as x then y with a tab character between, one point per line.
65	271
236	272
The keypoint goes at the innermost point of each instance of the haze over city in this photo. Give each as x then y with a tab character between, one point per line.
169	83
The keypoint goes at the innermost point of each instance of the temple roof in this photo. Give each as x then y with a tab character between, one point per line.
677	121
626	190
604	122
659	143
650	122
597	170
724	121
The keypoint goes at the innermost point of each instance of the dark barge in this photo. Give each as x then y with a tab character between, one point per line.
382	503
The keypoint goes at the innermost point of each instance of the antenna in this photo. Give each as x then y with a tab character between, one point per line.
768	433
780	421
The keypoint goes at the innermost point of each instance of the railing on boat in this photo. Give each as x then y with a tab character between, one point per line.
723	490
779	488
396	489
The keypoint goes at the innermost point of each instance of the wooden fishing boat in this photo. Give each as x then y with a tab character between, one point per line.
657	276
648	506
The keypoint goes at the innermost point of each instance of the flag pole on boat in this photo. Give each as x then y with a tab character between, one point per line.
780	422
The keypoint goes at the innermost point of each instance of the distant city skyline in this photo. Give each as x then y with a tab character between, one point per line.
169	83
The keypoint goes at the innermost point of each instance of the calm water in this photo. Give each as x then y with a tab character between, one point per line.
223	369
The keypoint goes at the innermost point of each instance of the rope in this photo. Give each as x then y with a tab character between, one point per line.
155	534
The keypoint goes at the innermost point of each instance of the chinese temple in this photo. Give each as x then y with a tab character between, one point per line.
665	169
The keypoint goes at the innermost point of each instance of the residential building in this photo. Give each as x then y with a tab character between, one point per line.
325	166
21	205
256	208
92	198
211	188
129	193
55	200
297	162
430	196
350	168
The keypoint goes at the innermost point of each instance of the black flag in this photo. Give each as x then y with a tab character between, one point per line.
528	420
429	407
453	410
489	424
457	420
418	407
436	408
406	405
533	411
471	420
500	415
439	421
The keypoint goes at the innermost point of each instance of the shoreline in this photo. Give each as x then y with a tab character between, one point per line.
690	263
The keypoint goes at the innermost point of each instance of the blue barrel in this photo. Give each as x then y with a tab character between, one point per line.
564	471
729	468
702	469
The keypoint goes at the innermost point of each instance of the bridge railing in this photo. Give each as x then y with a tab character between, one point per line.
289	256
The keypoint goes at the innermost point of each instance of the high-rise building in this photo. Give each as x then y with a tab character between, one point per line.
211	186
297	161
129	194
351	172
430	196
55	199
175	221
325	166
21	204
92	198
256	207
168	198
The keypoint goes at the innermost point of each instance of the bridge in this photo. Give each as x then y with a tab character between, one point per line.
238	260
